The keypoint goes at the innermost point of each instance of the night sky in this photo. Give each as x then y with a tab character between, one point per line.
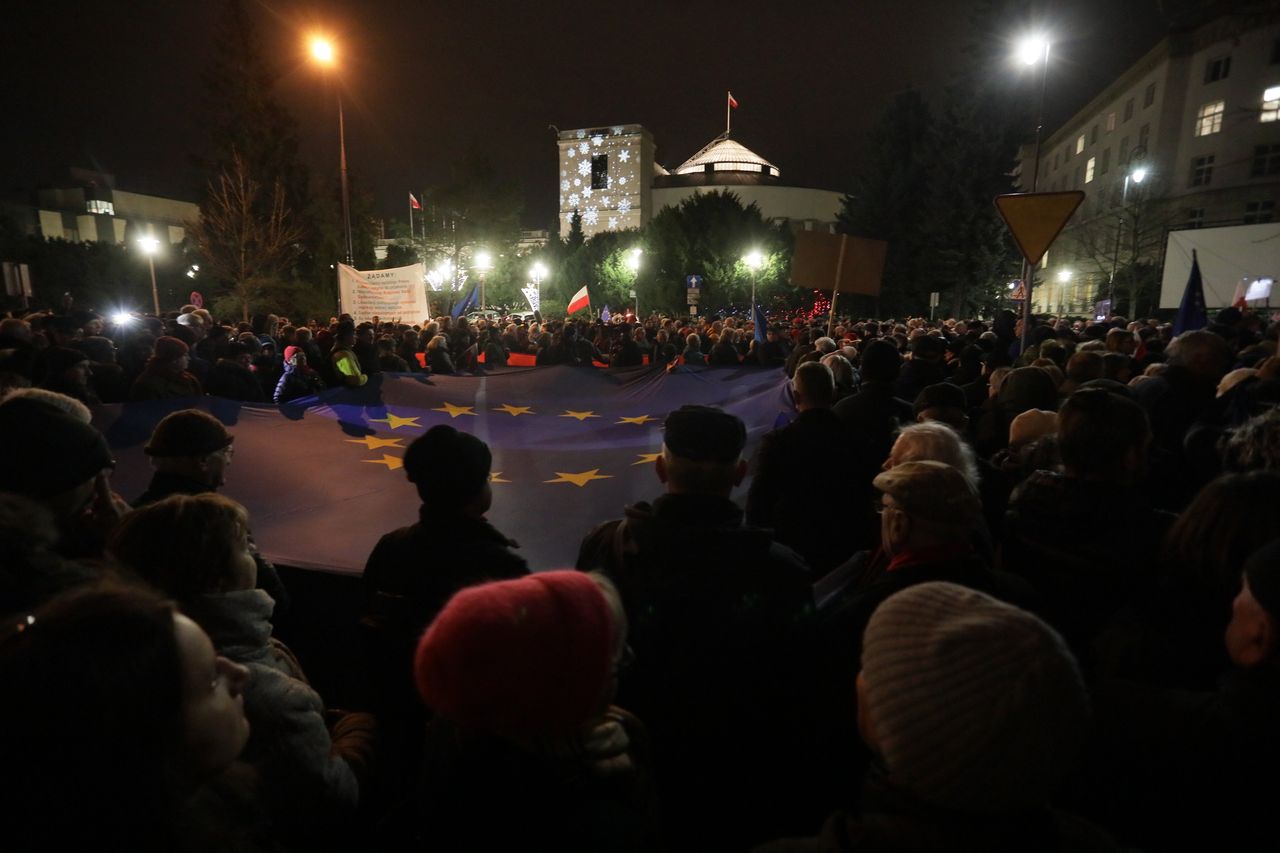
116	86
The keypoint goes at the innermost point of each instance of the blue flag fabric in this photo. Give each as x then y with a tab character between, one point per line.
1192	313
605	316
465	305
757	317
322	478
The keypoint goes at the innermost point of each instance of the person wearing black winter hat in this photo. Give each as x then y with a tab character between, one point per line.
412	572
67	471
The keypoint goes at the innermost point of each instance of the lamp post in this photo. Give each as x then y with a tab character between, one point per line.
1064	278
1033	50
754	260
149	246
537	272
1136	174
324	53
483	263
633	264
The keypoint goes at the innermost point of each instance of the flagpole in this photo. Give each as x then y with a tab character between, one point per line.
727	96
410	219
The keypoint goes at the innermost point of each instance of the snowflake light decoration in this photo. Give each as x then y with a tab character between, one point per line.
613	222
597	139
583	148
591	217
617	130
625	155
564	185
584	167
622	181
587	192
582	134
577	182
604	202
624	205
573	199
573	152
563	173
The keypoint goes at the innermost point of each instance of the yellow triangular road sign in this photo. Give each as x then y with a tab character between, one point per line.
1036	219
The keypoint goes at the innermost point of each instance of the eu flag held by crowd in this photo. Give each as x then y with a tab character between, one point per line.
322	477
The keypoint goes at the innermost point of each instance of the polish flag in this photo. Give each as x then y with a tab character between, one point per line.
580	300
414	203
733	102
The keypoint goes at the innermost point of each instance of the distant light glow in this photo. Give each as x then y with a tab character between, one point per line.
1064	275
1272	94
150	245
322	50
754	260
633	260
537	272
484	261
1139	175
1032	49
121	318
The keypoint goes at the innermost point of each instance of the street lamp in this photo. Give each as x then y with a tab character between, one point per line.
1136	175
325	54
1032	50
483	263
633	264
149	246
754	260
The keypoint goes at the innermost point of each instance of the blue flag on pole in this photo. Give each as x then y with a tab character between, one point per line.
322	478
465	305
1192	313
605	316
757	316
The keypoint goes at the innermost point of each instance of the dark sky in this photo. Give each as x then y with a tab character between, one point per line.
115	86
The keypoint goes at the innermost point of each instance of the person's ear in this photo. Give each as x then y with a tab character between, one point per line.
739	472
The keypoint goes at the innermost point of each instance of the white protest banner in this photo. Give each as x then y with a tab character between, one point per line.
392	294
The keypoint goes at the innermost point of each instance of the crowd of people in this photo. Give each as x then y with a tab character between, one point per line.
976	596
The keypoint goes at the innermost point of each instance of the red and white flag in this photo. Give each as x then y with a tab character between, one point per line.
733	102
414	203
580	300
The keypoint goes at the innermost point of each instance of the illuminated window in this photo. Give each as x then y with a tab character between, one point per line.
1256	212
1201	170
1088	171
1080	144
1217	69
1266	161
1111	122
1270	104
1149	96
1209	120
95	206
600	172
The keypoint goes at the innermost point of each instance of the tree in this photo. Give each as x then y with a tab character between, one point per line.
248	249
892	195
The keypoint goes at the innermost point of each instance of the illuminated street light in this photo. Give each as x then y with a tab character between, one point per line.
1136	175
325	54
149	246
1033	50
121	318
1064	276
633	260
754	260
483	262
537	272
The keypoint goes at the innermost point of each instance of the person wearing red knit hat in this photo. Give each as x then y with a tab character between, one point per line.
166	376
520	674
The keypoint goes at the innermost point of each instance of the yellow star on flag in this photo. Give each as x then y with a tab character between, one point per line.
515	411
373	442
453	411
392	462
580	480
582	416
394	421
646	458
496	477
640	420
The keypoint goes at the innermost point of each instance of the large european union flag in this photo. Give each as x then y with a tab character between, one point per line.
571	447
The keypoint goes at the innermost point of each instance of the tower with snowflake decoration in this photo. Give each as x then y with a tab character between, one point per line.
605	175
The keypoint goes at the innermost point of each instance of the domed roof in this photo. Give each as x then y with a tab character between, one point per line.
723	154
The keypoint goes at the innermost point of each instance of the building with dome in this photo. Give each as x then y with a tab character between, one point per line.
609	177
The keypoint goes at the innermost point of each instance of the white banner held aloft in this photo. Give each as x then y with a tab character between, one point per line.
392	294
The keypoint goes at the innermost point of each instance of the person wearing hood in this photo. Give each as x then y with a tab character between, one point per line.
298	379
